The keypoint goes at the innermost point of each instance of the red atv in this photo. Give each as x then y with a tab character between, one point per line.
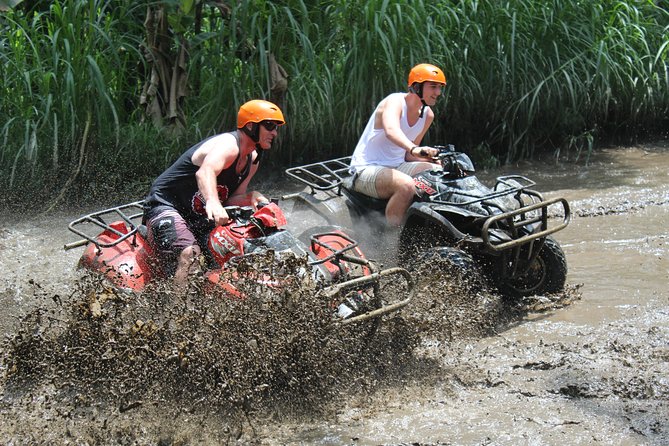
121	252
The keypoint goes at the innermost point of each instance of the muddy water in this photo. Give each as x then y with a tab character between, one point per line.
595	371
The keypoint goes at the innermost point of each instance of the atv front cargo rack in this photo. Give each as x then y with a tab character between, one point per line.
533	209
130	214
513	184
374	278
519	218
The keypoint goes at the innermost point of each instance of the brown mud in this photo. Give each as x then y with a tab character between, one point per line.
83	364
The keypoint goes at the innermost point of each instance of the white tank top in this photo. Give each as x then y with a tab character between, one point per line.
374	147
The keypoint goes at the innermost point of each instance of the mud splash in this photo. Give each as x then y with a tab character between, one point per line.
101	361
197	353
84	365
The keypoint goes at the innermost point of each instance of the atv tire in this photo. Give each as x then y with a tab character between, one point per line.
546	275
454	261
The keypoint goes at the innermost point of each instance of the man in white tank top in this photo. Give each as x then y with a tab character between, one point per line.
389	151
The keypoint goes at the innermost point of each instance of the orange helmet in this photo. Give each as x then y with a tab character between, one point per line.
258	110
425	72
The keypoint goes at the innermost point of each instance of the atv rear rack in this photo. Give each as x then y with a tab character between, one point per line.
326	175
130	214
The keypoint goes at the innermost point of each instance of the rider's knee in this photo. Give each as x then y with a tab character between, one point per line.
406	188
189	253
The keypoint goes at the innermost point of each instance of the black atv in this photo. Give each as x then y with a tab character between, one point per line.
503	231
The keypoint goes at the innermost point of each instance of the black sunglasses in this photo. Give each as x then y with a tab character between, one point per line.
269	125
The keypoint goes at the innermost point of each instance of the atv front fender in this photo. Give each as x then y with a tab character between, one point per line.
425	212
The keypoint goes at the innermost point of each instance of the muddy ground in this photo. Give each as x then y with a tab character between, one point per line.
82	364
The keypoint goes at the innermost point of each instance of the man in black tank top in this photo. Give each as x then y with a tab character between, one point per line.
186	201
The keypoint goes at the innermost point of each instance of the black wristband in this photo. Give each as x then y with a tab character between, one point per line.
411	150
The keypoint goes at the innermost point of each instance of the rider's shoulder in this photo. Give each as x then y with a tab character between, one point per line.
222	141
395	98
217	147
393	101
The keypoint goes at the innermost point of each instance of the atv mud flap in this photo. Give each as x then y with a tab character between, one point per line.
352	284
513	225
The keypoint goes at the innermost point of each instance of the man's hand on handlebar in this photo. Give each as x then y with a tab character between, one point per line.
217	213
424	152
443	152
224	215
258	200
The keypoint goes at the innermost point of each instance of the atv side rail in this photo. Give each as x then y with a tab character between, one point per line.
131	214
331	174
328	175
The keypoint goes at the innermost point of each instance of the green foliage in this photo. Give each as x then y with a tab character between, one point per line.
58	67
524	76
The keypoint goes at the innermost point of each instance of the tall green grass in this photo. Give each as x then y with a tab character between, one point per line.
63	69
524	78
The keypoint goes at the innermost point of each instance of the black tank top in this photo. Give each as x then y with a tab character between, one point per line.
177	187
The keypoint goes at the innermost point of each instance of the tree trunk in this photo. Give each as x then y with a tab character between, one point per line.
167	79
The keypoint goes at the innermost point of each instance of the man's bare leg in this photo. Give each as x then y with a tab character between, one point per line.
186	264
399	188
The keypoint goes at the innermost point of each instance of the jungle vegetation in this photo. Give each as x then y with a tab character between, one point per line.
105	92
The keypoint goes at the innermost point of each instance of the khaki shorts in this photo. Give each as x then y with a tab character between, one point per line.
365	181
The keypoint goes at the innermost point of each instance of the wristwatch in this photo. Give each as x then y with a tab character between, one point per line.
422	152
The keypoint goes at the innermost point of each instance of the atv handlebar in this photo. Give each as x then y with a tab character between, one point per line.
456	164
238	212
448	148
244	213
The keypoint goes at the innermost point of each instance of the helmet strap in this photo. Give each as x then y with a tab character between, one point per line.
254	133
417	88
260	151
422	108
